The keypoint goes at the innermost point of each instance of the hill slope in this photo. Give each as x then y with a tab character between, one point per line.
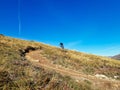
28	65
116	57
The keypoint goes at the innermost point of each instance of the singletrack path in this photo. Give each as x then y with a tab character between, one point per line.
36	58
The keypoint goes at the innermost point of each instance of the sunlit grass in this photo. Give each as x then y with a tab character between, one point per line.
17	73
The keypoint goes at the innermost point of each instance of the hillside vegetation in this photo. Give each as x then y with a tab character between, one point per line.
45	67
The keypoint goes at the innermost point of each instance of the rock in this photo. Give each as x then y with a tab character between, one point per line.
116	77
101	76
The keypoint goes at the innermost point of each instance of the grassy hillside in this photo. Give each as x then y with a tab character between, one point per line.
19	73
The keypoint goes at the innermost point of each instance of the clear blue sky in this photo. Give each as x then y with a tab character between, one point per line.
91	26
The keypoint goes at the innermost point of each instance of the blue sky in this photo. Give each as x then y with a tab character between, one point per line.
91	26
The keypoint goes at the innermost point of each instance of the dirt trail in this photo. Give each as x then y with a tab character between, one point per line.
36	58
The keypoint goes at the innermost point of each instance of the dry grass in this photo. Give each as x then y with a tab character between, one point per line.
17	73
